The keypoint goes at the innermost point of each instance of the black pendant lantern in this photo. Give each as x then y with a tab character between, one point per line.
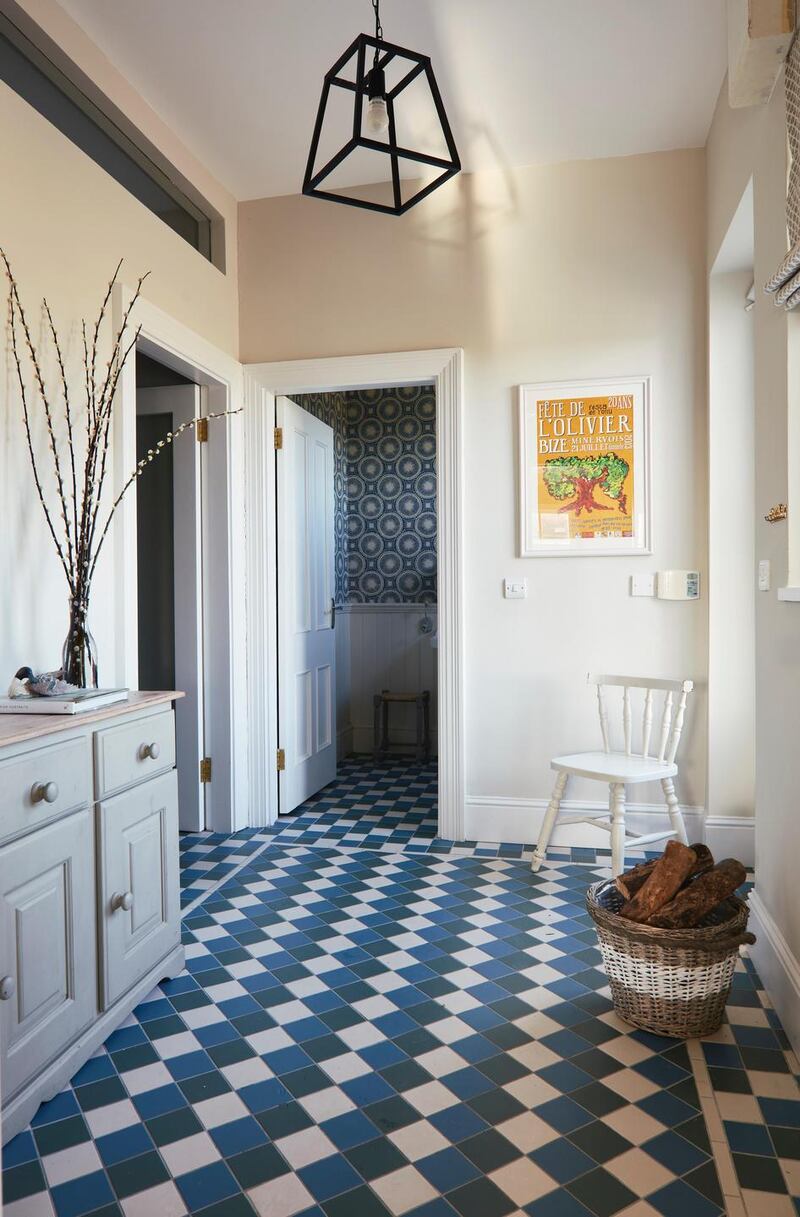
374	116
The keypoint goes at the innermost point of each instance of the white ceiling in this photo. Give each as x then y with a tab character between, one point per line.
524	81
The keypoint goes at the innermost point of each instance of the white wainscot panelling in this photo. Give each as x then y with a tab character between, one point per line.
379	646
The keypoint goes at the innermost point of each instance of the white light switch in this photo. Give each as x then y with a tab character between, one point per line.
763	575
515	589
643	585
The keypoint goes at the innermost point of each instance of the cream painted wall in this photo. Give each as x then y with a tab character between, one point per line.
593	268
745	143
64	224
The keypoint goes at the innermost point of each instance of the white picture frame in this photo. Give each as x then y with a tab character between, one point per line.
563	424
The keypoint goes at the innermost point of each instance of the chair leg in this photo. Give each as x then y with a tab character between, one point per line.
617	809
377	702
673	807
385	740
549	821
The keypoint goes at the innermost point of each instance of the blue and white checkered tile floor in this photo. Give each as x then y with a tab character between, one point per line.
388	805
371	1033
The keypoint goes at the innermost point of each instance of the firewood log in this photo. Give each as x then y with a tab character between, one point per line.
705	860
669	873
629	883
691	905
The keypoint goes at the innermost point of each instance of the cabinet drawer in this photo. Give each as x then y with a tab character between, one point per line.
134	752
139	882
48	957
43	783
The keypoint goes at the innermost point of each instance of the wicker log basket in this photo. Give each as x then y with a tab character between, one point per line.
670	982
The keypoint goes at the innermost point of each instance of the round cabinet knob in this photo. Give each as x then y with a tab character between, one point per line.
122	900
150	750
8	988
44	792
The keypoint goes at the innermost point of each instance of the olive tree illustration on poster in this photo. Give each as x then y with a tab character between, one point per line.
585	468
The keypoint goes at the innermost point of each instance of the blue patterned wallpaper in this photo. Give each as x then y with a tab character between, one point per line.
385	479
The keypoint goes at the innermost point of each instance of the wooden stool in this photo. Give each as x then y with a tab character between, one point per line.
381	702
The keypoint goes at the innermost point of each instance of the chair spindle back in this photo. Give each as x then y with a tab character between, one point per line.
672	716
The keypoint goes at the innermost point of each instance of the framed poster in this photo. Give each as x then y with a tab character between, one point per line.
585	468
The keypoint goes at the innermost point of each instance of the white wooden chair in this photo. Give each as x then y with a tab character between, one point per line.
621	769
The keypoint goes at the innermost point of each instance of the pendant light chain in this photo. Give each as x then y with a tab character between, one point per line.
376	4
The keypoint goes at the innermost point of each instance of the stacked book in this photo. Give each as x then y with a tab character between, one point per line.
62	703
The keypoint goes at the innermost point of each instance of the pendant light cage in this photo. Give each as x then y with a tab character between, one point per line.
373	53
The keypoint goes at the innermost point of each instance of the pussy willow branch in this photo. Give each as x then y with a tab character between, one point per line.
20	312
102	426
98	324
75	549
31	452
78	553
104	442
68	414
152	453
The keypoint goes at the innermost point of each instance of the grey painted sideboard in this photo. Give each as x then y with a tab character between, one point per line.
89	886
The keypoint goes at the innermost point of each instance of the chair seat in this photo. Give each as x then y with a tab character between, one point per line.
614	767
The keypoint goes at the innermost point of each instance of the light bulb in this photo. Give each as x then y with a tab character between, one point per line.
377	115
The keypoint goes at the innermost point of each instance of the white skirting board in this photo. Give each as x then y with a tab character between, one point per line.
403	740
732	837
519	820
778	968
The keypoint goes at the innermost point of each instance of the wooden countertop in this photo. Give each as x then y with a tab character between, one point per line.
17	728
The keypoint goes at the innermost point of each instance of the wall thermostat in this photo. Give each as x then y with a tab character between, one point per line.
679	585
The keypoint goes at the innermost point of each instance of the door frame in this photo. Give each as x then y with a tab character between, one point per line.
263	383
220	378
181	402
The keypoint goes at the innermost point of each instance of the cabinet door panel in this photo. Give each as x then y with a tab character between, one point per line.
140	889
47	944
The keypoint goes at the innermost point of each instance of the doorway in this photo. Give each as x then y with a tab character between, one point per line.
169	568
356	483
442	368
218	379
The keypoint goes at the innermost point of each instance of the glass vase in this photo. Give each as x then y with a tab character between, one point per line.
79	657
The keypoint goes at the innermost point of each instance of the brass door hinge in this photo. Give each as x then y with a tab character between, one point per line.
281	760
205	769
278	437
201	430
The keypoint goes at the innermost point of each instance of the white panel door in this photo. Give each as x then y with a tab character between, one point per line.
306	617
47	945
183	403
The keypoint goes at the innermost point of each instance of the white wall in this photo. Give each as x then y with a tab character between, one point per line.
64	224
594	268
744	144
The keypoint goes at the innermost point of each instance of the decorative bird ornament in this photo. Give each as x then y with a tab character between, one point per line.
45	684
